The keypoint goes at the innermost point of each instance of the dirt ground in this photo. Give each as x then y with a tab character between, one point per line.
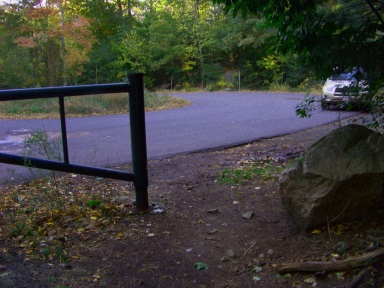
204	233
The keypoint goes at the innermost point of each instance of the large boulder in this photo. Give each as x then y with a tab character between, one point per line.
338	179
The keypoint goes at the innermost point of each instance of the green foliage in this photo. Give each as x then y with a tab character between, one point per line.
376	108
189	43
38	143
100	69
43	45
263	170
193	44
93	203
305	108
219	85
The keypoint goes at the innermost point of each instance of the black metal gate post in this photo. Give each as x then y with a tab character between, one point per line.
138	139
64	138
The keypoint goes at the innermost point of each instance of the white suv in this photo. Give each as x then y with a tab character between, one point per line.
344	88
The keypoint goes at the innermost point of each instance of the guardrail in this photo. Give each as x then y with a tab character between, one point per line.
135	88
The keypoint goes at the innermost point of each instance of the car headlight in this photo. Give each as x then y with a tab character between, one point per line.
329	88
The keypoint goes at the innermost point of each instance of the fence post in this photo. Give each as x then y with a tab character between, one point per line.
64	138
138	139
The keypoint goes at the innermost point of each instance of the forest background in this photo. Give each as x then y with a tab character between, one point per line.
179	44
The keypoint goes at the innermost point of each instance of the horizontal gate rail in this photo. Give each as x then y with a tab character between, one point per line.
135	88
54	92
62	167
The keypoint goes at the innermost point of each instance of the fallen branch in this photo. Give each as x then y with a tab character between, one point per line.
356	281
353	263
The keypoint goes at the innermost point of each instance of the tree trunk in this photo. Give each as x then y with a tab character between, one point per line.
129	8
196	18
63	50
51	63
121	15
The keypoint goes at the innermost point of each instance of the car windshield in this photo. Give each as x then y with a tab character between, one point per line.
355	74
343	76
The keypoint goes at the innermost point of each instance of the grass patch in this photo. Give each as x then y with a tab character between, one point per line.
263	170
91	105
153	102
306	89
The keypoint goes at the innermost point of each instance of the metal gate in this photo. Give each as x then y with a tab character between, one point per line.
135	88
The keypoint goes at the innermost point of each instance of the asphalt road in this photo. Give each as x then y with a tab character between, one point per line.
214	119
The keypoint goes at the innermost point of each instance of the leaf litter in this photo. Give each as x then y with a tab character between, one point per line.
42	216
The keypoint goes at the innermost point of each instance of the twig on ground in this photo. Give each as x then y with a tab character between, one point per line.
329	231
341	212
353	263
250	248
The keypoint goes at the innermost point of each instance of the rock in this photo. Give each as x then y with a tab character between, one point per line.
248	215
66	265
230	254
261	263
340	178
8	280
213	211
158	211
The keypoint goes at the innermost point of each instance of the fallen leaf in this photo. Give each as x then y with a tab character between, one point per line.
340	228
256	278
297	284
310	280
340	275
201	266
96	277
256	269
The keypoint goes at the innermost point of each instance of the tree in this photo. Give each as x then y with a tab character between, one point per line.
172	39
53	41
326	34
192	42
15	70
329	33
